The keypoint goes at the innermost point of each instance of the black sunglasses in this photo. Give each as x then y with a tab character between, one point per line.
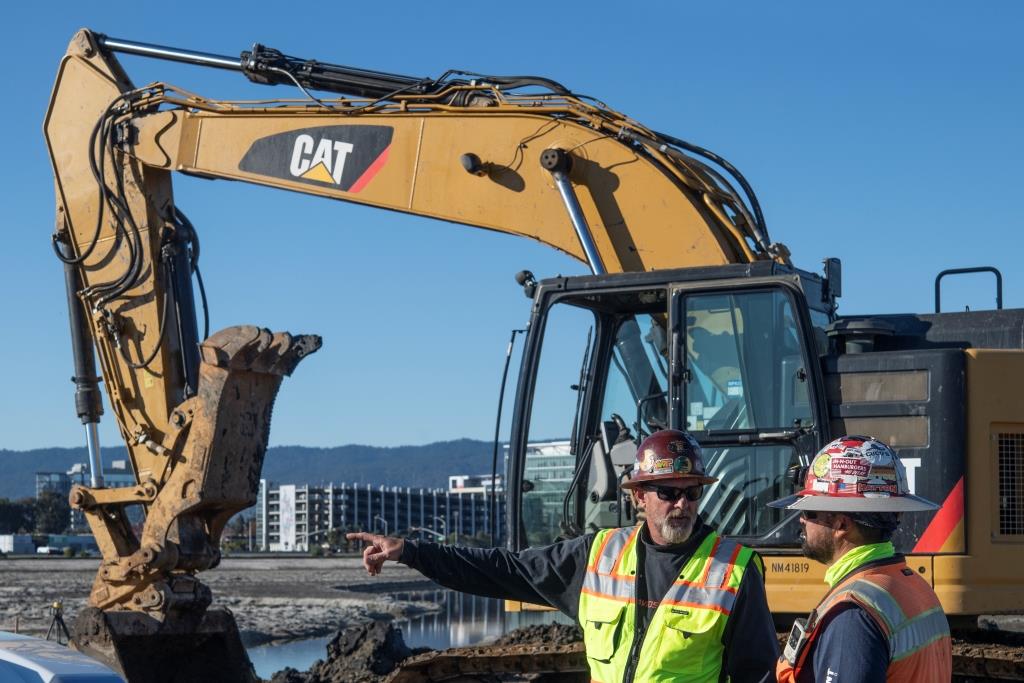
671	494
813	515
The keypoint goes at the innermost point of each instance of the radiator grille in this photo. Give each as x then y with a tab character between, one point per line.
1011	484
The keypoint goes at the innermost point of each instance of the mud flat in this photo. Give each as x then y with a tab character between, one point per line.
276	598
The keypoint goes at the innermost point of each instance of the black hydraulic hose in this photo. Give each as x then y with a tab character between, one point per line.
508	82
202	296
708	154
122	213
118	209
497	430
97	174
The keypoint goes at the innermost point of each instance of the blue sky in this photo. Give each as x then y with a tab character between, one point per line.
888	134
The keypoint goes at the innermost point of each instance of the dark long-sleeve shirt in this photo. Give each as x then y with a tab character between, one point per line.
851	648
553	575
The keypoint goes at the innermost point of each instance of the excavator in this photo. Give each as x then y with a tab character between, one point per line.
692	318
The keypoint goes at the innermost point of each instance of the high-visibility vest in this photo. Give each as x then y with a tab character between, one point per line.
906	610
683	641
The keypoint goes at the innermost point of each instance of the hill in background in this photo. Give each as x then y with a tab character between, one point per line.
426	466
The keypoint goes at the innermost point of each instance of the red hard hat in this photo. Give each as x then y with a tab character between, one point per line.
668	456
855	474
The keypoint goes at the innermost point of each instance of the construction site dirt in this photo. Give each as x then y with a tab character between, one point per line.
273	599
288	598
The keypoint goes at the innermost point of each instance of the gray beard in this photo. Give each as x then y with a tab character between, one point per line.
674	534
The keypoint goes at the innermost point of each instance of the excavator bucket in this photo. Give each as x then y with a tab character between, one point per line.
179	649
148	615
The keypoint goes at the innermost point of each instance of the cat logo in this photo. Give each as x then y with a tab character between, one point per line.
341	157
326	164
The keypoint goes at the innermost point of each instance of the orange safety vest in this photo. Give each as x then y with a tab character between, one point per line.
906	609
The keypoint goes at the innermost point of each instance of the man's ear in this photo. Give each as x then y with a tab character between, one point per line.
638	498
843	524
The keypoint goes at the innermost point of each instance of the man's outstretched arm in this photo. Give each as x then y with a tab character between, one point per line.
550	575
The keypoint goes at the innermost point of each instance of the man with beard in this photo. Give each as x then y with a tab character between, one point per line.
668	599
879	620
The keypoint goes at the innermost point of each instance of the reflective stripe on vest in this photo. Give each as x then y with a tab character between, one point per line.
600	579
919	644
683	639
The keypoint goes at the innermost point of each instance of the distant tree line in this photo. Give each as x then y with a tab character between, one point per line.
47	514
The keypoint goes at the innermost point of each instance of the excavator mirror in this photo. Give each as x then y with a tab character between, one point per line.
796	475
527	282
833	278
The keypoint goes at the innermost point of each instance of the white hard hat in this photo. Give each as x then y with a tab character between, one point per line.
855	474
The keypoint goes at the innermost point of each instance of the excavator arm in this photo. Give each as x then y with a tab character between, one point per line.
519	155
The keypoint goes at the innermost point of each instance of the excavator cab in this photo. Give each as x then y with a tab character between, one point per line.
730	354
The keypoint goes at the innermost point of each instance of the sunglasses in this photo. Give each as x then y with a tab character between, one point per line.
813	515
670	494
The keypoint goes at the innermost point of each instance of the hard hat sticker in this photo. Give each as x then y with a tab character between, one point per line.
820	466
682	465
662	466
855	467
647	464
678	447
876	453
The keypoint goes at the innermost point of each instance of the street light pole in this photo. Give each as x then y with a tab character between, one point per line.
382	521
444	526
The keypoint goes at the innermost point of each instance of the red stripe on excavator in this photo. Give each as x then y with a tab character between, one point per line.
944	522
368	174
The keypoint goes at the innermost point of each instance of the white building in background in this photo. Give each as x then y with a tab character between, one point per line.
549	469
17	544
474	483
291	517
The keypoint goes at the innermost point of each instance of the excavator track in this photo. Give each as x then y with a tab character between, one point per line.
981	656
988	655
471	663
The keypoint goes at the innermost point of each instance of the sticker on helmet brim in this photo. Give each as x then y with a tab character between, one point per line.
868	487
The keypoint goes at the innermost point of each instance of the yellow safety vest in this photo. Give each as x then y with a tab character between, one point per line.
683	641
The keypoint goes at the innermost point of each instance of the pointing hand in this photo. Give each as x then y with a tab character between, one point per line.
380	548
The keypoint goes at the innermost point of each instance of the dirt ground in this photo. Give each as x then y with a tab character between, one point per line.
272	598
284	598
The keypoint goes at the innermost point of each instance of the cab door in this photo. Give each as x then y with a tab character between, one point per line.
746	383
